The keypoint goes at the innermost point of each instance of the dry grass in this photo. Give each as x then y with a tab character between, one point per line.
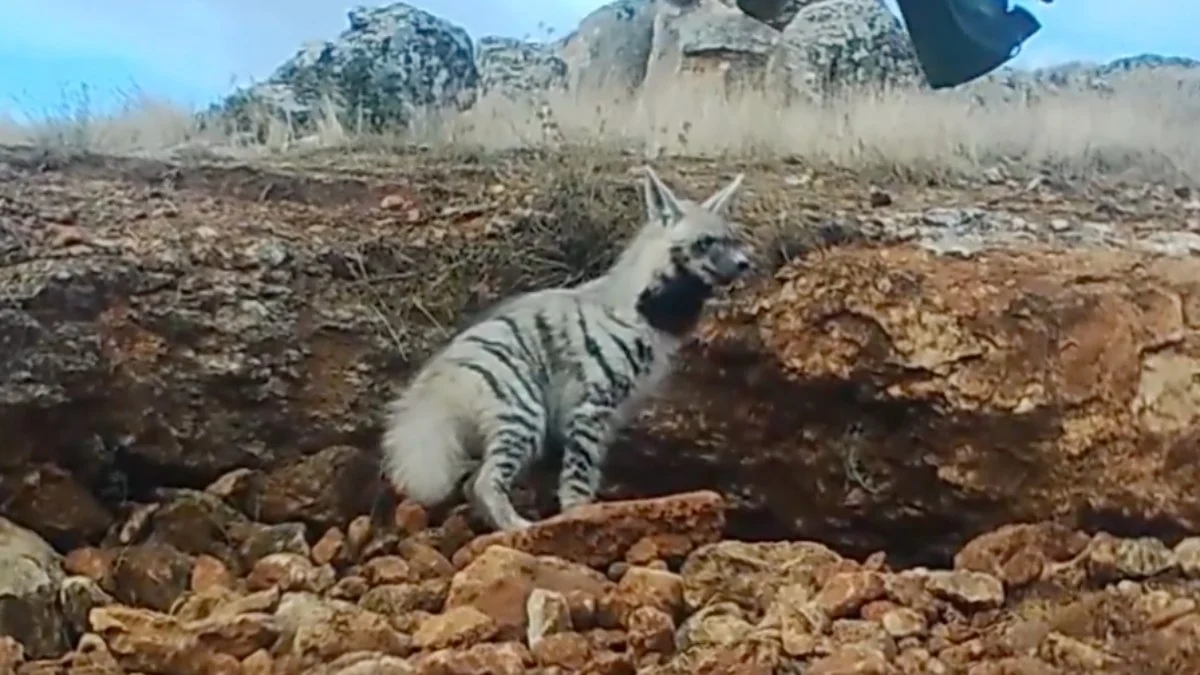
142	124
420	295
1148	126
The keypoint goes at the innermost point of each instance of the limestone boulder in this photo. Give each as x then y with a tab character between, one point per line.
835	45
707	46
609	49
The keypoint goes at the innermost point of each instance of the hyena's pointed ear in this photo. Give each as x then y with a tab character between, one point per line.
720	199
662	206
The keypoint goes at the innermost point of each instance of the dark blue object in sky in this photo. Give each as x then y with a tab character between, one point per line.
959	40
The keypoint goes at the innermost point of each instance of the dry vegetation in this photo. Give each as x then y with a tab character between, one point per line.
1146	127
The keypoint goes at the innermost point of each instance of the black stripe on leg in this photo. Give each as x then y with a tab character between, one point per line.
508	454
526	424
630	360
587	433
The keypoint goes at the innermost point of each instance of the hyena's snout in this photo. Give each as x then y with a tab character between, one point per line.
733	264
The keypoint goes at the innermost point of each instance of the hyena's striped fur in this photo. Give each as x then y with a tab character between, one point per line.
566	363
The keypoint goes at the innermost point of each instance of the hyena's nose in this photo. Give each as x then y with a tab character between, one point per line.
742	262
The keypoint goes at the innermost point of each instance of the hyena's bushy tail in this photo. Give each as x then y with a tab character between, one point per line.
423	453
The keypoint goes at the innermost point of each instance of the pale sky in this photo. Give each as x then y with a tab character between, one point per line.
194	50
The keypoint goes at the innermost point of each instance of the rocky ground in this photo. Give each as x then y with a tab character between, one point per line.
622	587
980	393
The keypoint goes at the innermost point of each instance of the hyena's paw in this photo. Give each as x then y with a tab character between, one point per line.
495	507
570	501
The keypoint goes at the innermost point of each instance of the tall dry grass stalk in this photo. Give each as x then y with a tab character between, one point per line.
142	123
1148	125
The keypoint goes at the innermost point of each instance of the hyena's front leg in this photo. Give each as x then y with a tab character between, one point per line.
589	431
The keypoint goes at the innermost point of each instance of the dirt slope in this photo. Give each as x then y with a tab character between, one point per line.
913	367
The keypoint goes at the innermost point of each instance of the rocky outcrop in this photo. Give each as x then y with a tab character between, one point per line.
988	390
395	63
800	49
390	65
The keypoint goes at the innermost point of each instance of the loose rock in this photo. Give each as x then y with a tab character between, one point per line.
498	583
30	577
600	533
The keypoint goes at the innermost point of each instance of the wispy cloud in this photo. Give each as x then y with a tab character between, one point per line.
193	50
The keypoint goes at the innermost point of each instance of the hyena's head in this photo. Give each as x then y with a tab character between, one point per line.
687	250
698	239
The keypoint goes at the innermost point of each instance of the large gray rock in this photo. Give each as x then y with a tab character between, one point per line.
708	39
775	13
390	64
609	49
837	44
511	67
30	577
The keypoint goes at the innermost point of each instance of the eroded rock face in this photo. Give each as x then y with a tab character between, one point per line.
394	62
1061	356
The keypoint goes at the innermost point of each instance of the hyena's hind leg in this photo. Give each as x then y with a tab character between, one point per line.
590	428
509	449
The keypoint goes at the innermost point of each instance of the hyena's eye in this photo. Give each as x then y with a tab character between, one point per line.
704	243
